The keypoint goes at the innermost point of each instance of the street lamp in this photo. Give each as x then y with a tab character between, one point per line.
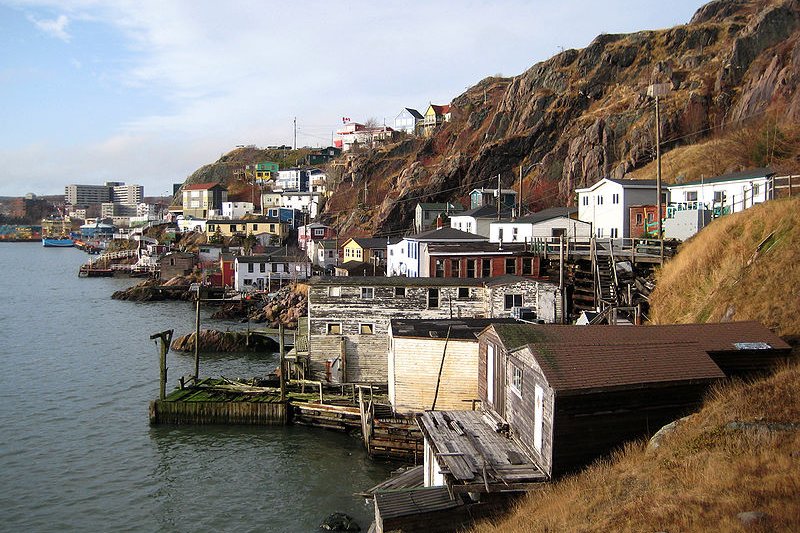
655	90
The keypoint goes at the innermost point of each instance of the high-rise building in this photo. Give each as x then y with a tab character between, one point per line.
111	192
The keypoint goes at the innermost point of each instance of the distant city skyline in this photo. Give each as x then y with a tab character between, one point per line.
147	92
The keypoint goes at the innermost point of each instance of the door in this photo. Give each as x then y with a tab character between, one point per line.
490	374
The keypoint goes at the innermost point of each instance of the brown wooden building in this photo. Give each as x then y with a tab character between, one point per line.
176	264
572	393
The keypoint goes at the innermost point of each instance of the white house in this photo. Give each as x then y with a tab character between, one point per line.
324	253
318	181
236	210
258	272
478	220
189	223
307	202
546	224
606	204
409	257
293	179
725	194
407	120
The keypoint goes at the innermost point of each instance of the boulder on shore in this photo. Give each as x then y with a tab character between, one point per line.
225	341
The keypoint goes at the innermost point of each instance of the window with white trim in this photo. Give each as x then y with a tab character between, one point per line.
516	379
334	291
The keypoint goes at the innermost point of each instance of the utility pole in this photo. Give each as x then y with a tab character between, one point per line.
519	209
656	90
295	133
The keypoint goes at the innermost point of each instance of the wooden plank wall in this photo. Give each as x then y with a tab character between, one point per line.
200	413
416	369
590	425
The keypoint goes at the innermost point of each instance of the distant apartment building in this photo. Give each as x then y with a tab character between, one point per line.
110	192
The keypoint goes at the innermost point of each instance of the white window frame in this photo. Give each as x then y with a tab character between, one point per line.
334	292
516	379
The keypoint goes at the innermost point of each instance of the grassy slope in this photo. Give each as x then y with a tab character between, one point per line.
705	472
729	271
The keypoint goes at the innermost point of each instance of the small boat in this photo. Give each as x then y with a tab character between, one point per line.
57	242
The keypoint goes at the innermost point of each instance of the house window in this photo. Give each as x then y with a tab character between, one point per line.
755	189
334	329
366	329
486	268
334	291
585	200
262	267
514	234
469	226
433	298
639	219
527	266
439	269
248	281
255	227
319	232
272	228
463	292
614	233
600	232
615	198
516	379
367	293
399	291
500	234
599	199
470	268
232	227
690	196
455	271
511	265
512	300
650	217
719	196
250	267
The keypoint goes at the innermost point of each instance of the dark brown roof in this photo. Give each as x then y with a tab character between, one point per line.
459	328
712	337
581	367
203	186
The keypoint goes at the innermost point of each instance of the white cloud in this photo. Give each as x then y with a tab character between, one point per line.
210	75
53	27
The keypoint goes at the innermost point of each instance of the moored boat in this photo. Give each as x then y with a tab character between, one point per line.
57	242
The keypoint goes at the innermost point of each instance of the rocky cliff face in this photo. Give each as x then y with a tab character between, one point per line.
585	114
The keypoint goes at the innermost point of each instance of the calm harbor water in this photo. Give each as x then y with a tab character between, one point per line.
77	370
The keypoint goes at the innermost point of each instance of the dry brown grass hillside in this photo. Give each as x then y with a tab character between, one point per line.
741	267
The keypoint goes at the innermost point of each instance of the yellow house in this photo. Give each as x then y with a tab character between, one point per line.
365	250
200	199
435	115
250	226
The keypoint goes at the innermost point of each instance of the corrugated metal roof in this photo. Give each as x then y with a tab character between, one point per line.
414	501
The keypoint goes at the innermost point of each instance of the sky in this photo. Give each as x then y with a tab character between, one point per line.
146	92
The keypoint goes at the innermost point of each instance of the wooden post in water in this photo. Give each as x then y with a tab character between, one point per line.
166	340
197	339
282	348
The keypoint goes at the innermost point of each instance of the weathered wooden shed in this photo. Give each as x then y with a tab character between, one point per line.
570	394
